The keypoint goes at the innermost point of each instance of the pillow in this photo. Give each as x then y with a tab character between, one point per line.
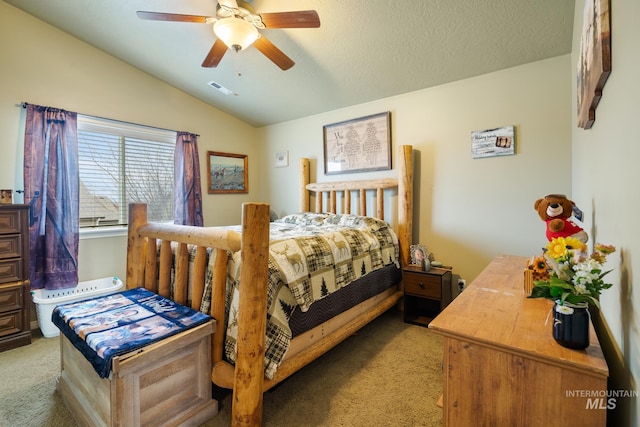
304	218
357	221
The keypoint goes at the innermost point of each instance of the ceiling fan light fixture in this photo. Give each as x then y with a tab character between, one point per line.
236	33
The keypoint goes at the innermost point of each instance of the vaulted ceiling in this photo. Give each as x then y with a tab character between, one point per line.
362	51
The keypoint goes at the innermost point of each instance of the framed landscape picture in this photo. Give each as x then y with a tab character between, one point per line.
227	173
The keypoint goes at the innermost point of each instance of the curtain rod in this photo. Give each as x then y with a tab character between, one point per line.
24	105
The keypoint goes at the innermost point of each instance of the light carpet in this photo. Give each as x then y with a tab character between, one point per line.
388	374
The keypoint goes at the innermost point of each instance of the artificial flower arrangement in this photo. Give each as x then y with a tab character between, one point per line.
571	275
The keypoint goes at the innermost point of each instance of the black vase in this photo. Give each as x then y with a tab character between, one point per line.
571	325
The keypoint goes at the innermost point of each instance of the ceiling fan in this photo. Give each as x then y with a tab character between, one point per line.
236	27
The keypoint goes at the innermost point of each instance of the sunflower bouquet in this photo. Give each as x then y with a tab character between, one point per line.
572	275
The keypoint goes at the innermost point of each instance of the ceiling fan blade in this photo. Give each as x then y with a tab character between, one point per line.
270	50
215	54
299	19
159	16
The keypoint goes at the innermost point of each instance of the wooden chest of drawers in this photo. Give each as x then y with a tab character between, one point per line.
501	364
15	328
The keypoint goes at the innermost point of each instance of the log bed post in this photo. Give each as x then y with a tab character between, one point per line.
246	406
218	295
304	180
135	246
405	201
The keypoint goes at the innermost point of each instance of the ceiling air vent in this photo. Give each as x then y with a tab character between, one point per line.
221	88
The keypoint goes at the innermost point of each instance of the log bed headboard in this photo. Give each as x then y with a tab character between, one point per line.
327	193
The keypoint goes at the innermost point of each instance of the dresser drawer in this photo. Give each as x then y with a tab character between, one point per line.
10	246
11	297
10	270
422	285
10	222
11	323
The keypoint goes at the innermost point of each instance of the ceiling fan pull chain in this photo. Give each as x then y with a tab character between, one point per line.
237	61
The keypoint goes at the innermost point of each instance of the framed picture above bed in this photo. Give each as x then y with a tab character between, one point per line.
358	145
227	173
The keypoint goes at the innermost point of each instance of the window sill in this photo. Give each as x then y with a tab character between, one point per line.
97	233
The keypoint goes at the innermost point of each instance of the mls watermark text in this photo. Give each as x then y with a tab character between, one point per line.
601	399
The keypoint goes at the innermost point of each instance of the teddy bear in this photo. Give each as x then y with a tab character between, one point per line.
555	210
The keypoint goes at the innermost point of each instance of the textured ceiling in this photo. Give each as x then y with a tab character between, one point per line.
363	50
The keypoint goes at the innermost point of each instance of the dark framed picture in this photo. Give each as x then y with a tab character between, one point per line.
358	145
594	59
227	173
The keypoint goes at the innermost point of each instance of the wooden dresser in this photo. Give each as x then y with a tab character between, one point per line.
501	364
15	328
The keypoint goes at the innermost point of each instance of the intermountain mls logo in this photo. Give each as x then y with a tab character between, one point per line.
601	399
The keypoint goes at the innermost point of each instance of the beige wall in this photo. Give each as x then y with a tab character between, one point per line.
605	182
41	65
467	210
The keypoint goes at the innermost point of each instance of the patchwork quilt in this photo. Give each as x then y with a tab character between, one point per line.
310	256
107	326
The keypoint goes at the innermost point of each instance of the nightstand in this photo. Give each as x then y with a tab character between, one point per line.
426	293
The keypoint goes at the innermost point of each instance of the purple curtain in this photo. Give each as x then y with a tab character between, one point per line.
51	185
187	198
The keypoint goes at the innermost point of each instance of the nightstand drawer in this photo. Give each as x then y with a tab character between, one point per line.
422	285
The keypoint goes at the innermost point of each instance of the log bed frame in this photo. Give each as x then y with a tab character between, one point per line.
247	378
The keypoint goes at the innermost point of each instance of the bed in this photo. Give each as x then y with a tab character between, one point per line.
196	266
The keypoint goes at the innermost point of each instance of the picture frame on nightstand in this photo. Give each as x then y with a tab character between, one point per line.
419	254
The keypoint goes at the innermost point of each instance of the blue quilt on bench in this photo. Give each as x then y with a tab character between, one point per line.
104	327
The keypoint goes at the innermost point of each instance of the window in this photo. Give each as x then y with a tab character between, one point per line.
122	163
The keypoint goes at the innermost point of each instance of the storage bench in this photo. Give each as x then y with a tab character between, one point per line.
135	358
167	383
